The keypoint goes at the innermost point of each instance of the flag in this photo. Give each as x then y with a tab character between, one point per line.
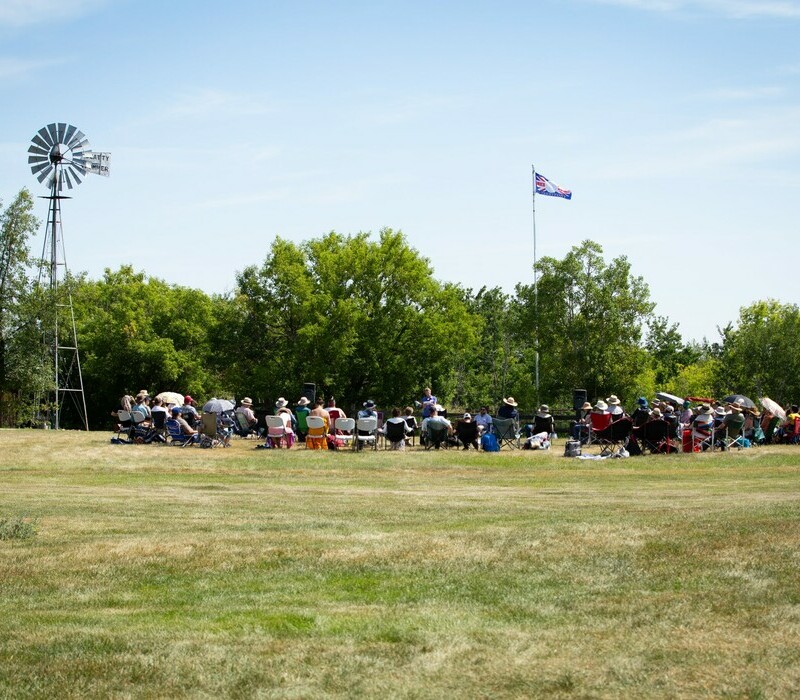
544	186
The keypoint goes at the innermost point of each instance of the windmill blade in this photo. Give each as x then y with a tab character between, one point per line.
62	129
41	143
36	168
75	175
46	137
79	165
70	131
66	177
39	151
38	159
53	131
80	147
76	139
44	174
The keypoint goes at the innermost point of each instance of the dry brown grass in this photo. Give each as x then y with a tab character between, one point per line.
166	572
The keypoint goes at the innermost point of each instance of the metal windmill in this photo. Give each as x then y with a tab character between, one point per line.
59	153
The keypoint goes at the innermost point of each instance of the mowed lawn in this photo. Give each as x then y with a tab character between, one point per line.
165	572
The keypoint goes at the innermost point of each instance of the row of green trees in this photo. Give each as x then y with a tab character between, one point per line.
364	317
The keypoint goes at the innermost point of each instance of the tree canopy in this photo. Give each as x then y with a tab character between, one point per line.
363	316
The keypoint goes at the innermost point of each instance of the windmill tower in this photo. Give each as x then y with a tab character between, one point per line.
60	152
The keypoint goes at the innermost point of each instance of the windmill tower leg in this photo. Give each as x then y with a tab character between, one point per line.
62	344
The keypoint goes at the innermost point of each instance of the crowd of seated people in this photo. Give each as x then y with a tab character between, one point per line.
142	418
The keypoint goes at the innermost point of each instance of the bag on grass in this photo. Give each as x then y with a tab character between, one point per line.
489	443
572	448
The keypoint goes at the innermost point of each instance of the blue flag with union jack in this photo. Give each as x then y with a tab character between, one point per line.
544	186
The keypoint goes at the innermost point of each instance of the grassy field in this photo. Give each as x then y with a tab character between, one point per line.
166	572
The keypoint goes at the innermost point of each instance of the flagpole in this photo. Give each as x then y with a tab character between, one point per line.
535	281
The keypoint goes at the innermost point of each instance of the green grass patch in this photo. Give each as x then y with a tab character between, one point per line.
165	572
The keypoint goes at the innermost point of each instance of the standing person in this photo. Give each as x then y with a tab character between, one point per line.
428	401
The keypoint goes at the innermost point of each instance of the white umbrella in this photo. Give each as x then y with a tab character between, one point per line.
664	396
773	407
171	397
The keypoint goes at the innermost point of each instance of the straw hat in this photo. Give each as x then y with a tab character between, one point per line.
510	401
281	403
544	410
247	401
303	401
720	411
586	406
613	400
736	406
656	412
705	409
601	405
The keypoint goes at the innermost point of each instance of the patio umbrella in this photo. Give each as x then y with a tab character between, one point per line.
773	407
218	406
741	400
172	397
664	396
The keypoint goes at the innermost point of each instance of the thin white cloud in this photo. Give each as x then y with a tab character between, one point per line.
738	9
218	105
17	68
712	147
745	94
20	13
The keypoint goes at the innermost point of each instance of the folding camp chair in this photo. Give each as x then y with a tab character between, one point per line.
436	436
600	422
395	434
367	433
467	433
209	427
613	438
655	437
729	434
505	430
177	436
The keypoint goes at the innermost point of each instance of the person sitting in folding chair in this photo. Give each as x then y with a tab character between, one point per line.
438	420
467	432
729	431
702	425
246	420
185	433
396	431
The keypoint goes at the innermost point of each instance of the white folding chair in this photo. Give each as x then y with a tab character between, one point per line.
367	433
344	429
276	431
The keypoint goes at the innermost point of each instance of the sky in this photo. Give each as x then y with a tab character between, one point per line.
676	124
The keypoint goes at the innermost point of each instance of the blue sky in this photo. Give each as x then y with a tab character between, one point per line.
676	123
